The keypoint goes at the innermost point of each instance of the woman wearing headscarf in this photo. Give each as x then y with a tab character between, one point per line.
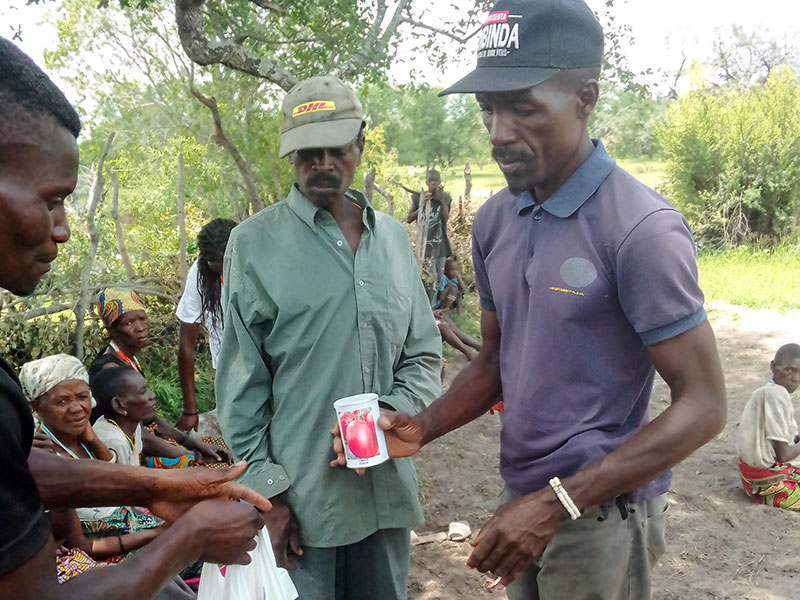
57	388
128	327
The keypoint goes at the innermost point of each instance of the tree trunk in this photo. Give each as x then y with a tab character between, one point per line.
181	223
467	182
237	215
123	251
422	229
256	203
369	184
274	172
95	195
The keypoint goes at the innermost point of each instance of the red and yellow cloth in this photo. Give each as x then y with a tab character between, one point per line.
778	487
113	303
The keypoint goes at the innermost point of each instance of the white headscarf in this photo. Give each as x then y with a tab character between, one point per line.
40	376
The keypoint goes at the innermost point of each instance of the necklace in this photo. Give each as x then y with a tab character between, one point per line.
52	436
127	437
131	361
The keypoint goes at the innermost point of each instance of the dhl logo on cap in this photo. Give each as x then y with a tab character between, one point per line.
313	106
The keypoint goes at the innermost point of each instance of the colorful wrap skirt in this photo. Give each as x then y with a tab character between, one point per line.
184	461
778	487
126	520
71	562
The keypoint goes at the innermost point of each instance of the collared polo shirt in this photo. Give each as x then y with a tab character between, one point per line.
307	321
581	285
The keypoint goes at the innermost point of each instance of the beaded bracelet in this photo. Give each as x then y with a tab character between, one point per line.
564	498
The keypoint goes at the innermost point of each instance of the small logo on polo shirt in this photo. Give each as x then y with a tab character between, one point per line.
576	273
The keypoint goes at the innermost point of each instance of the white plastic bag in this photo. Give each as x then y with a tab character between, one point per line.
262	579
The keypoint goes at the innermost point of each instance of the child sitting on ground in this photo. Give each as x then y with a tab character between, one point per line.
451	288
767	439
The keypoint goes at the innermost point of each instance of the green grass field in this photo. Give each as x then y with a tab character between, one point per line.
489	179
752	277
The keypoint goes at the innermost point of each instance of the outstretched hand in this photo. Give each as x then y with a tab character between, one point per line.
175	491
403	435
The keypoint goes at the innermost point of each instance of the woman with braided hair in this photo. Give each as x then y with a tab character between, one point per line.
201	301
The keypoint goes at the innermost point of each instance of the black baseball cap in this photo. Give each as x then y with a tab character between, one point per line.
525	42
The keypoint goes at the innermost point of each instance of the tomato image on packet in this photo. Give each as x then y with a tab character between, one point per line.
359	433
364	443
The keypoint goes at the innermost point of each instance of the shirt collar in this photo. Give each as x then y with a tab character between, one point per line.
307	210
580	186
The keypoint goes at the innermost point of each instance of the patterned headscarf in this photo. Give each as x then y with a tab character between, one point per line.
40	376
112	304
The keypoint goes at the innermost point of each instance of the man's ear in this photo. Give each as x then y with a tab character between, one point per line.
587	94
772	366
360	143
117	406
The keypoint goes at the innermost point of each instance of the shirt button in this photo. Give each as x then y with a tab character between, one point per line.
363	325
269	481
366	369
339	243
281	477
361	282
538	216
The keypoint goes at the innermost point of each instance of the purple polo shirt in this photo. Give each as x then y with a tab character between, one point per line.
581	286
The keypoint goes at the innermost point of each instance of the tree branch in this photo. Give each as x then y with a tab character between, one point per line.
94	237
223	140
123	251
57	308
189	16
268	5
421	25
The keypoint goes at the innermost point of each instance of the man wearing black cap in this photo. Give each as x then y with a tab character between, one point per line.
588	285
324	301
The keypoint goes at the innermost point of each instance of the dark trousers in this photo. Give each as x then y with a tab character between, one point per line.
375	568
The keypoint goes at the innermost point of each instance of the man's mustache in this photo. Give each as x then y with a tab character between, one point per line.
324	180
507	155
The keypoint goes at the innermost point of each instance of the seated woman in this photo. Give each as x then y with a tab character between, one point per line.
128	329
57	388
768	441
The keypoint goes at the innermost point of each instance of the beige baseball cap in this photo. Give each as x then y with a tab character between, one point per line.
319	112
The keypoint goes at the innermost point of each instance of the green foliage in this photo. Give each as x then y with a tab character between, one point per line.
425	129
626	119
732	160
755	277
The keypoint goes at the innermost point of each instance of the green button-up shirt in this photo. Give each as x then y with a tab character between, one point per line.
308	322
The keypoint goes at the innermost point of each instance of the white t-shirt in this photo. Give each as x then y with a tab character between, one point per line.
113	437
190	310
767	416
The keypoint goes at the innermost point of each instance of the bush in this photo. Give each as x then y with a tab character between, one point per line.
23	340
732	161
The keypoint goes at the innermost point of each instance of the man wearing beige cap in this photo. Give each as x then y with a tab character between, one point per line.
323	300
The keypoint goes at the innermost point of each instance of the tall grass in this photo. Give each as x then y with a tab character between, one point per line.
753	277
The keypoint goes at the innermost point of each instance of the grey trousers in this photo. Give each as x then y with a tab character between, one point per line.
600	556
375	568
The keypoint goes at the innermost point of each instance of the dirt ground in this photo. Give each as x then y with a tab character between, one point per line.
720	544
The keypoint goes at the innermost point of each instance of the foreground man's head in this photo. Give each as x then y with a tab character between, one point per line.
38	169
